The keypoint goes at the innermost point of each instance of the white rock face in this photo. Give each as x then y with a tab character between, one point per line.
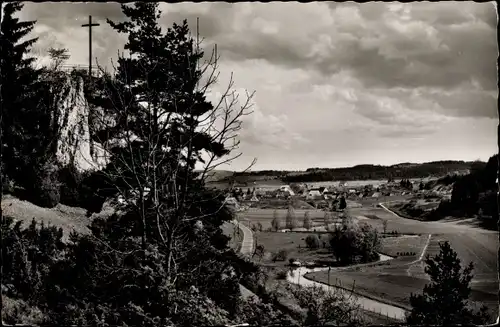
72	116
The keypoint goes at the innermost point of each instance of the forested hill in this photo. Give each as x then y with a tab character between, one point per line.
364	172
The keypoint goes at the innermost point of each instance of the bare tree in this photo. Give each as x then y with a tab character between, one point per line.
291	220
307	224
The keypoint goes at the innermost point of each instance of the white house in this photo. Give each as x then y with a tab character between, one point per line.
376	195
287	188
313	193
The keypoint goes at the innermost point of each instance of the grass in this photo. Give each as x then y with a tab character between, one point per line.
392	245
273	242
395	289
68	218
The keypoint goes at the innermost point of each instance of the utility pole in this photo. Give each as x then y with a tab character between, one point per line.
90	25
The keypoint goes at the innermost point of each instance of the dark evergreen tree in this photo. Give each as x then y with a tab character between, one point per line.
23	119
342	203
444	301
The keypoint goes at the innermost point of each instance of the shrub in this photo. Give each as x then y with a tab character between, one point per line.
312	241
70	190
28	255
281	255
16	311
281	274
46	186
260	227
276	223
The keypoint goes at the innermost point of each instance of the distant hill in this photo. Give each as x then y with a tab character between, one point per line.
359	172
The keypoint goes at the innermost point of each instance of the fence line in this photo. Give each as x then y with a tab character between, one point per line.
96	71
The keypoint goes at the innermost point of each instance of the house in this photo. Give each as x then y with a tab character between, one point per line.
376	195
322	190
287	188
254	198
313	193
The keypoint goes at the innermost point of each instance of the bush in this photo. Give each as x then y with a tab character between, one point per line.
281	255
281	274
70	189
15	311
45	191
312	241
28	255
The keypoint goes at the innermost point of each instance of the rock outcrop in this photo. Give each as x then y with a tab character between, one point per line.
74	144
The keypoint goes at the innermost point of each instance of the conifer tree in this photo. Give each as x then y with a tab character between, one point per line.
162	123
21	137
444	301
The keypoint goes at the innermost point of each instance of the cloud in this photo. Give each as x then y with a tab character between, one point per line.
336	82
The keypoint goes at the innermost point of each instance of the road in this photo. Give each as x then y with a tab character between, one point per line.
246	249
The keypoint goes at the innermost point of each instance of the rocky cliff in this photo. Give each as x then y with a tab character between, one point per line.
71	119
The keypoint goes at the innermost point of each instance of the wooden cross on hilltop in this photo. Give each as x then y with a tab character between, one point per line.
90	25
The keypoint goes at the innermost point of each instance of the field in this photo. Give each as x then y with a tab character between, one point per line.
391	246
393	282
394	287
273	242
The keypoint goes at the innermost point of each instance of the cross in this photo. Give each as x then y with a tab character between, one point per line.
89	25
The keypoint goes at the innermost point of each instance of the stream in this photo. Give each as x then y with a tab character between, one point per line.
296	276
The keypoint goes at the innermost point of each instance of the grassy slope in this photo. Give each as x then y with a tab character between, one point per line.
67	218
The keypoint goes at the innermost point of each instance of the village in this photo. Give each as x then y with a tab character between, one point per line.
329	197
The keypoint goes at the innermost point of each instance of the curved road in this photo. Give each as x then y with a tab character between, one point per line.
246	249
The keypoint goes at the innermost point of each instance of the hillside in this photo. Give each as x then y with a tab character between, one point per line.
359	172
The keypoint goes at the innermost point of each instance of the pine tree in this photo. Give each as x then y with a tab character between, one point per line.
22	137
163	122
444	301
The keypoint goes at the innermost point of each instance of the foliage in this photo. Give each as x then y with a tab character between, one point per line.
312	241
28	254
258	313
342	203
16	311
374	172
472	192
351	243
259	251
25	142
444	300
157	103
276	222
307	223
281	255
326	307
290	220
405	183
45	191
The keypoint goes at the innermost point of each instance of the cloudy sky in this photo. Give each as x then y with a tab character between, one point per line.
337	84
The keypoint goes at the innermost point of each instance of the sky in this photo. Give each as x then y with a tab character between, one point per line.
336	84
